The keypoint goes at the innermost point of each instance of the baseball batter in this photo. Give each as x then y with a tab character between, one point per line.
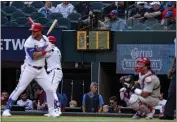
36	47
143	100
53	60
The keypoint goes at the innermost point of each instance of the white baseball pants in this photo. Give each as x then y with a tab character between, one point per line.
55	78
28	73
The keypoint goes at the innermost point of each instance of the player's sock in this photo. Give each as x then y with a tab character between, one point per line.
9	104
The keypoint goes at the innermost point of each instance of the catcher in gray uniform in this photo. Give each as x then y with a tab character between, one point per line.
144	98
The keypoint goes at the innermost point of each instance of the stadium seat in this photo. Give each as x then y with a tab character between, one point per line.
28	10
157	26
37	4
21	21
165	23
43	20
18	4
74	17
49	24
9	10
139	26
107	3
151	21
3	14
74	3
16	15
2	5
4	20
10	24
97	6
55	16
36	15
64	23
27	24
172	27
55	3
131	23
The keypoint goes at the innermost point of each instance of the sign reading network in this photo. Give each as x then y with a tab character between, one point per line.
161	56
13	39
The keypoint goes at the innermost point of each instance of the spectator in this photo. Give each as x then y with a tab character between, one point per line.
138	12
147	5
92	102
116	22
154	12
40	99
27	103
120	6
83	8
7	3
72	104
4	98
170	7
171	22
27	3
65	8
113	105
161	104
105	109
47	9
89	21
63	101
106	25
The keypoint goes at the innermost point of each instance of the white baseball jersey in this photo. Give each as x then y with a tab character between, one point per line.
32	45
53	59
150	83
27	104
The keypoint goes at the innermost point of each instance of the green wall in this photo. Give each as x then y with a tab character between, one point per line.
70	54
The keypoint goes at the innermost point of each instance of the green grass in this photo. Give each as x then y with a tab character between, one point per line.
74	119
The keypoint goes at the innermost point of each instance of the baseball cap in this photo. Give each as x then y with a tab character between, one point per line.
114	12
141	2
169	14
171	3
155	3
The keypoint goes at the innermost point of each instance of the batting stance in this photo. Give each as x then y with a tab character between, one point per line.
36	47
53	59
143	100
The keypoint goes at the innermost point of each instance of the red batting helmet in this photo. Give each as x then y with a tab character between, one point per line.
36	27
52	39
141	62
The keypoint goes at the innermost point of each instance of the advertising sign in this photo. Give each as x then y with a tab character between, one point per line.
161	56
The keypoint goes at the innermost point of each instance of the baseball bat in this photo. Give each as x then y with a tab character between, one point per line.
30	20
52	27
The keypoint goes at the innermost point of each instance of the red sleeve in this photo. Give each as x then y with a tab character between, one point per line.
164	13
174	13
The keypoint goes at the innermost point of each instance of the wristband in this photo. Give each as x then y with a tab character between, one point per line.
44	52
138	91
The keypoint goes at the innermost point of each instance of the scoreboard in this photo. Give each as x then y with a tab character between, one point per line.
93	40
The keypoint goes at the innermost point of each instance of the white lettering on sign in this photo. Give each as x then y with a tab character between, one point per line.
135	53
12	44
129	64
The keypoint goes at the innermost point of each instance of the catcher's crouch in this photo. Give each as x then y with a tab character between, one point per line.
146	97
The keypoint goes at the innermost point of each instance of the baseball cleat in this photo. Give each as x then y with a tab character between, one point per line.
6	113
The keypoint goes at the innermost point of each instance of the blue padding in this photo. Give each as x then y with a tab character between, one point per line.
30	51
